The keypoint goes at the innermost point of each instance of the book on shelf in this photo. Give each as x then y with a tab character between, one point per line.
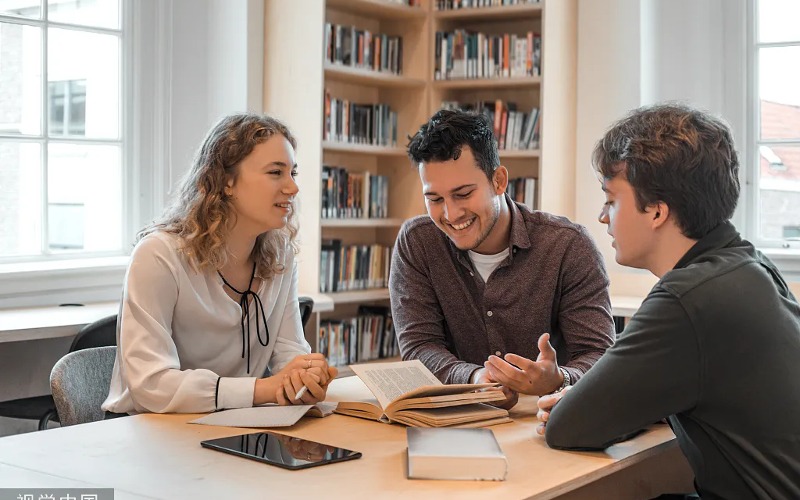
523	190
459	454
353	195
513	129
406	392
472	4
369	335
352	123
358	48
353	267
462	54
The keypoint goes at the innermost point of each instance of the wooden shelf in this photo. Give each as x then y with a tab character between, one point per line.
359	296
362	222
368	77
489	83
343	147
383	9
519	153
490	13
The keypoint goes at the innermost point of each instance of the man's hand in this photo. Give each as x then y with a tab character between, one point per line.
546	405
523	375
482	377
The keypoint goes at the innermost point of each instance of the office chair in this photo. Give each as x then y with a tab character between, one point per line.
80	382
102	332
306	307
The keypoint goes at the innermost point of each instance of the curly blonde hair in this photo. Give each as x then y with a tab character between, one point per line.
201	214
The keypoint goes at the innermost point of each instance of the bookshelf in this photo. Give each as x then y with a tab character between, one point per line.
297	75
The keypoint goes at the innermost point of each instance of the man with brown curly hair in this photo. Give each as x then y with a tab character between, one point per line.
715	346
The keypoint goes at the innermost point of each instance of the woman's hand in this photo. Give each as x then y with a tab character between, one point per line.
311	370
293	383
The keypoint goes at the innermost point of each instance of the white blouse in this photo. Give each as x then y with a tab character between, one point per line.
179	336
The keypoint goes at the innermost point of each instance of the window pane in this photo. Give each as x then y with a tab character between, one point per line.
779	92
100	13
83	84
20	198
84	197
20	79
22	8
777	21
779	192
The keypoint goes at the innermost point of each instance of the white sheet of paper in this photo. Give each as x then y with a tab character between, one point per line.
257	416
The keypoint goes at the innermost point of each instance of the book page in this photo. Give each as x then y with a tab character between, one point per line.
257	416
390	381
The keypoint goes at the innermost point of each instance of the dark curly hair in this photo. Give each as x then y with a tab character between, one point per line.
678	155
447	132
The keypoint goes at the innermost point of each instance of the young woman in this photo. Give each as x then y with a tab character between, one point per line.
210	297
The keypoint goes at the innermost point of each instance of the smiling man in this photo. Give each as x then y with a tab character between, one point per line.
714	348
484	289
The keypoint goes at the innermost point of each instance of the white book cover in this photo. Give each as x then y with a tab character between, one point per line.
455	454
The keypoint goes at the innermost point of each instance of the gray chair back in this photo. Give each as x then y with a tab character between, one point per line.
80	382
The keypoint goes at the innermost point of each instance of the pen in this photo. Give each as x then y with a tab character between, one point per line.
300	392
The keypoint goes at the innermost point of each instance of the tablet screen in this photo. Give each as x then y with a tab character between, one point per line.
281	450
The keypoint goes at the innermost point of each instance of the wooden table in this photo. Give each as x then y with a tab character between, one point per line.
160	456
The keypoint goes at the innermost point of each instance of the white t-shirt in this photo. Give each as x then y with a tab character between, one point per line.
486	264
179	334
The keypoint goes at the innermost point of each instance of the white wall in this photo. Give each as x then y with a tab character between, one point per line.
633	53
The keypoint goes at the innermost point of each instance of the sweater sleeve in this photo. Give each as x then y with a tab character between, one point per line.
653	371
584	313
150	367
418	317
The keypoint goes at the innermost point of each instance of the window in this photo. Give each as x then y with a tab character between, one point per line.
61	141
775	112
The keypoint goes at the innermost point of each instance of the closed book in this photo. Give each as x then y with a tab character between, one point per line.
460	454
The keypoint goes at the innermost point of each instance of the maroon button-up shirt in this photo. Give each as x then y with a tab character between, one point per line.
553	280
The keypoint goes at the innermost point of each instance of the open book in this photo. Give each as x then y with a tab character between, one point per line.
407	392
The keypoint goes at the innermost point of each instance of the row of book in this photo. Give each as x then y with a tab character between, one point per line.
463	54
349	122
357	48
470	4
368	336
353	267
513	129
523	190
349	195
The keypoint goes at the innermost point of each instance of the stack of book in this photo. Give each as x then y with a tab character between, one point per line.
471	4
348	195
523	190
365	337
513	129
465	54
357	48
353	267
370	124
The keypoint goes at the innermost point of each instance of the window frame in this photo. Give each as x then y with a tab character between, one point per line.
145	76
785	256
45	137
781	250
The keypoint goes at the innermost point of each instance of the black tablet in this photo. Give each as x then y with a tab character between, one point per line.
278	449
